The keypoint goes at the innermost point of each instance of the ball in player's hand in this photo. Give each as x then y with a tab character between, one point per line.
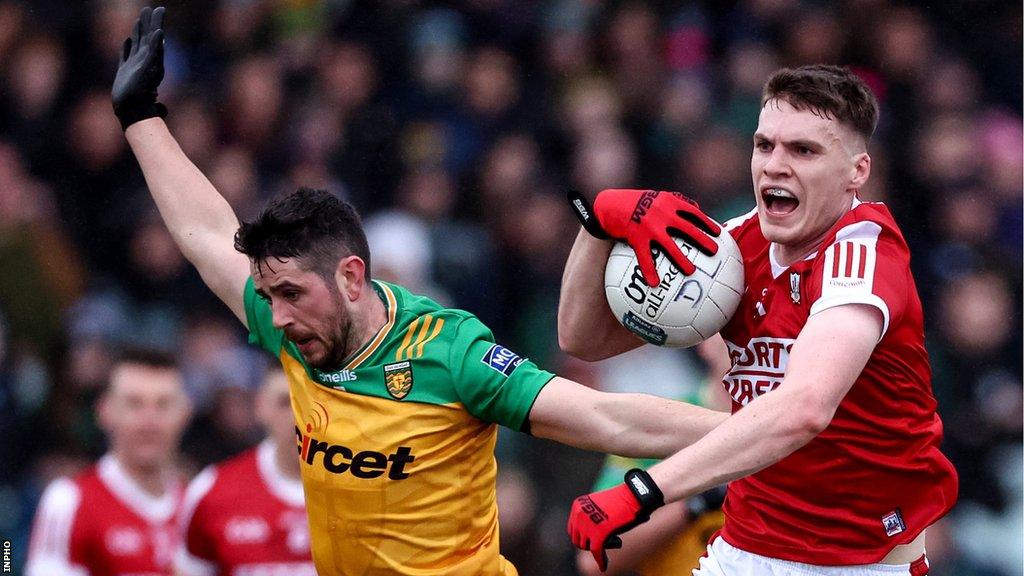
683	310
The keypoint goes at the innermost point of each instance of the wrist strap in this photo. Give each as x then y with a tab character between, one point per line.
129	114
645	490
584	212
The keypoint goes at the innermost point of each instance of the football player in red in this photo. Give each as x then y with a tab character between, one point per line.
832	450
120	516
247	515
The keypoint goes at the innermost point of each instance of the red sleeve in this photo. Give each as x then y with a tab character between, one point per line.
866	264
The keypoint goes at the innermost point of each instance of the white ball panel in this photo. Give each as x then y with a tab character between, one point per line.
682	310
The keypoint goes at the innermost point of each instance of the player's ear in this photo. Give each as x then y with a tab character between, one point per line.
860	171
350	276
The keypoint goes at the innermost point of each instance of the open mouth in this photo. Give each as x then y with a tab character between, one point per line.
301	342
779	201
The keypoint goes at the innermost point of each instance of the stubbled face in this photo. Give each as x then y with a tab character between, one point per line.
274	408
311	313
144	412
806	170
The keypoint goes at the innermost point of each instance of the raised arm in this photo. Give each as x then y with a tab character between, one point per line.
199	219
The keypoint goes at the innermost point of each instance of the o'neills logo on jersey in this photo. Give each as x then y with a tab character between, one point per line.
335	378
757	368
338	459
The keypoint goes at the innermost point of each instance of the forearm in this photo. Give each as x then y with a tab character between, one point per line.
190	206
645	426
586	327
762	433
199	219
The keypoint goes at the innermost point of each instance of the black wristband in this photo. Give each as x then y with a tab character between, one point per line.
584	212
645	490
129	114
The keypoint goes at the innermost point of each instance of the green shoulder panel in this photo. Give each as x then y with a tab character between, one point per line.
494	383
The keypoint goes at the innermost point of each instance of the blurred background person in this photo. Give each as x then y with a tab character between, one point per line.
120	516
247	515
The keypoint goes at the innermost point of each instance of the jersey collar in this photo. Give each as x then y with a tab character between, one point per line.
387	295
778	269
156	509
286	489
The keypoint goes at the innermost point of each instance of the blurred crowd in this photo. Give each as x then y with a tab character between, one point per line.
455	127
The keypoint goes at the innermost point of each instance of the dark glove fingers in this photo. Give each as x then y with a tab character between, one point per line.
157	20
671	249
126	50
613	542
137	33
156	43
144	18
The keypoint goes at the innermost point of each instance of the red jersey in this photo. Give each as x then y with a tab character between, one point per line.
102	523
243	518
874	478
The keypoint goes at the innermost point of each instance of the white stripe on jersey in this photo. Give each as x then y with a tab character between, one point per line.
50	547
734	223
848	271
186	563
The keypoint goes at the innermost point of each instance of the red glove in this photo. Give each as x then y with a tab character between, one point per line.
597	519
647	220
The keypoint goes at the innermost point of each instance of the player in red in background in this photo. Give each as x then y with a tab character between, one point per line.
247	515
832	450
120	516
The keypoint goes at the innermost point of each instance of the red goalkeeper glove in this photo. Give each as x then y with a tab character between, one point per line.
597	519
647	220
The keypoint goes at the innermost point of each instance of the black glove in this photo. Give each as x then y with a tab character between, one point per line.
140	71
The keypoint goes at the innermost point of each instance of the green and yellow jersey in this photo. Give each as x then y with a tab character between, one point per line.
397	446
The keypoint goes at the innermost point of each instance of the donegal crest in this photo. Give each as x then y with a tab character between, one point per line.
398	379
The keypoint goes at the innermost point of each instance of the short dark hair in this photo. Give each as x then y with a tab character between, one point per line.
149	357
310	224
832	91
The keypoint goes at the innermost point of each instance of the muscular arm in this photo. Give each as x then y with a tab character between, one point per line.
826	359
198	217
586	327
634	425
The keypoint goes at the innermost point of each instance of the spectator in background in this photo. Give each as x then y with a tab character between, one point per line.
120	516
270	533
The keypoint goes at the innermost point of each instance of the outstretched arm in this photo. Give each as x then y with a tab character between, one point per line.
635	425
200	220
